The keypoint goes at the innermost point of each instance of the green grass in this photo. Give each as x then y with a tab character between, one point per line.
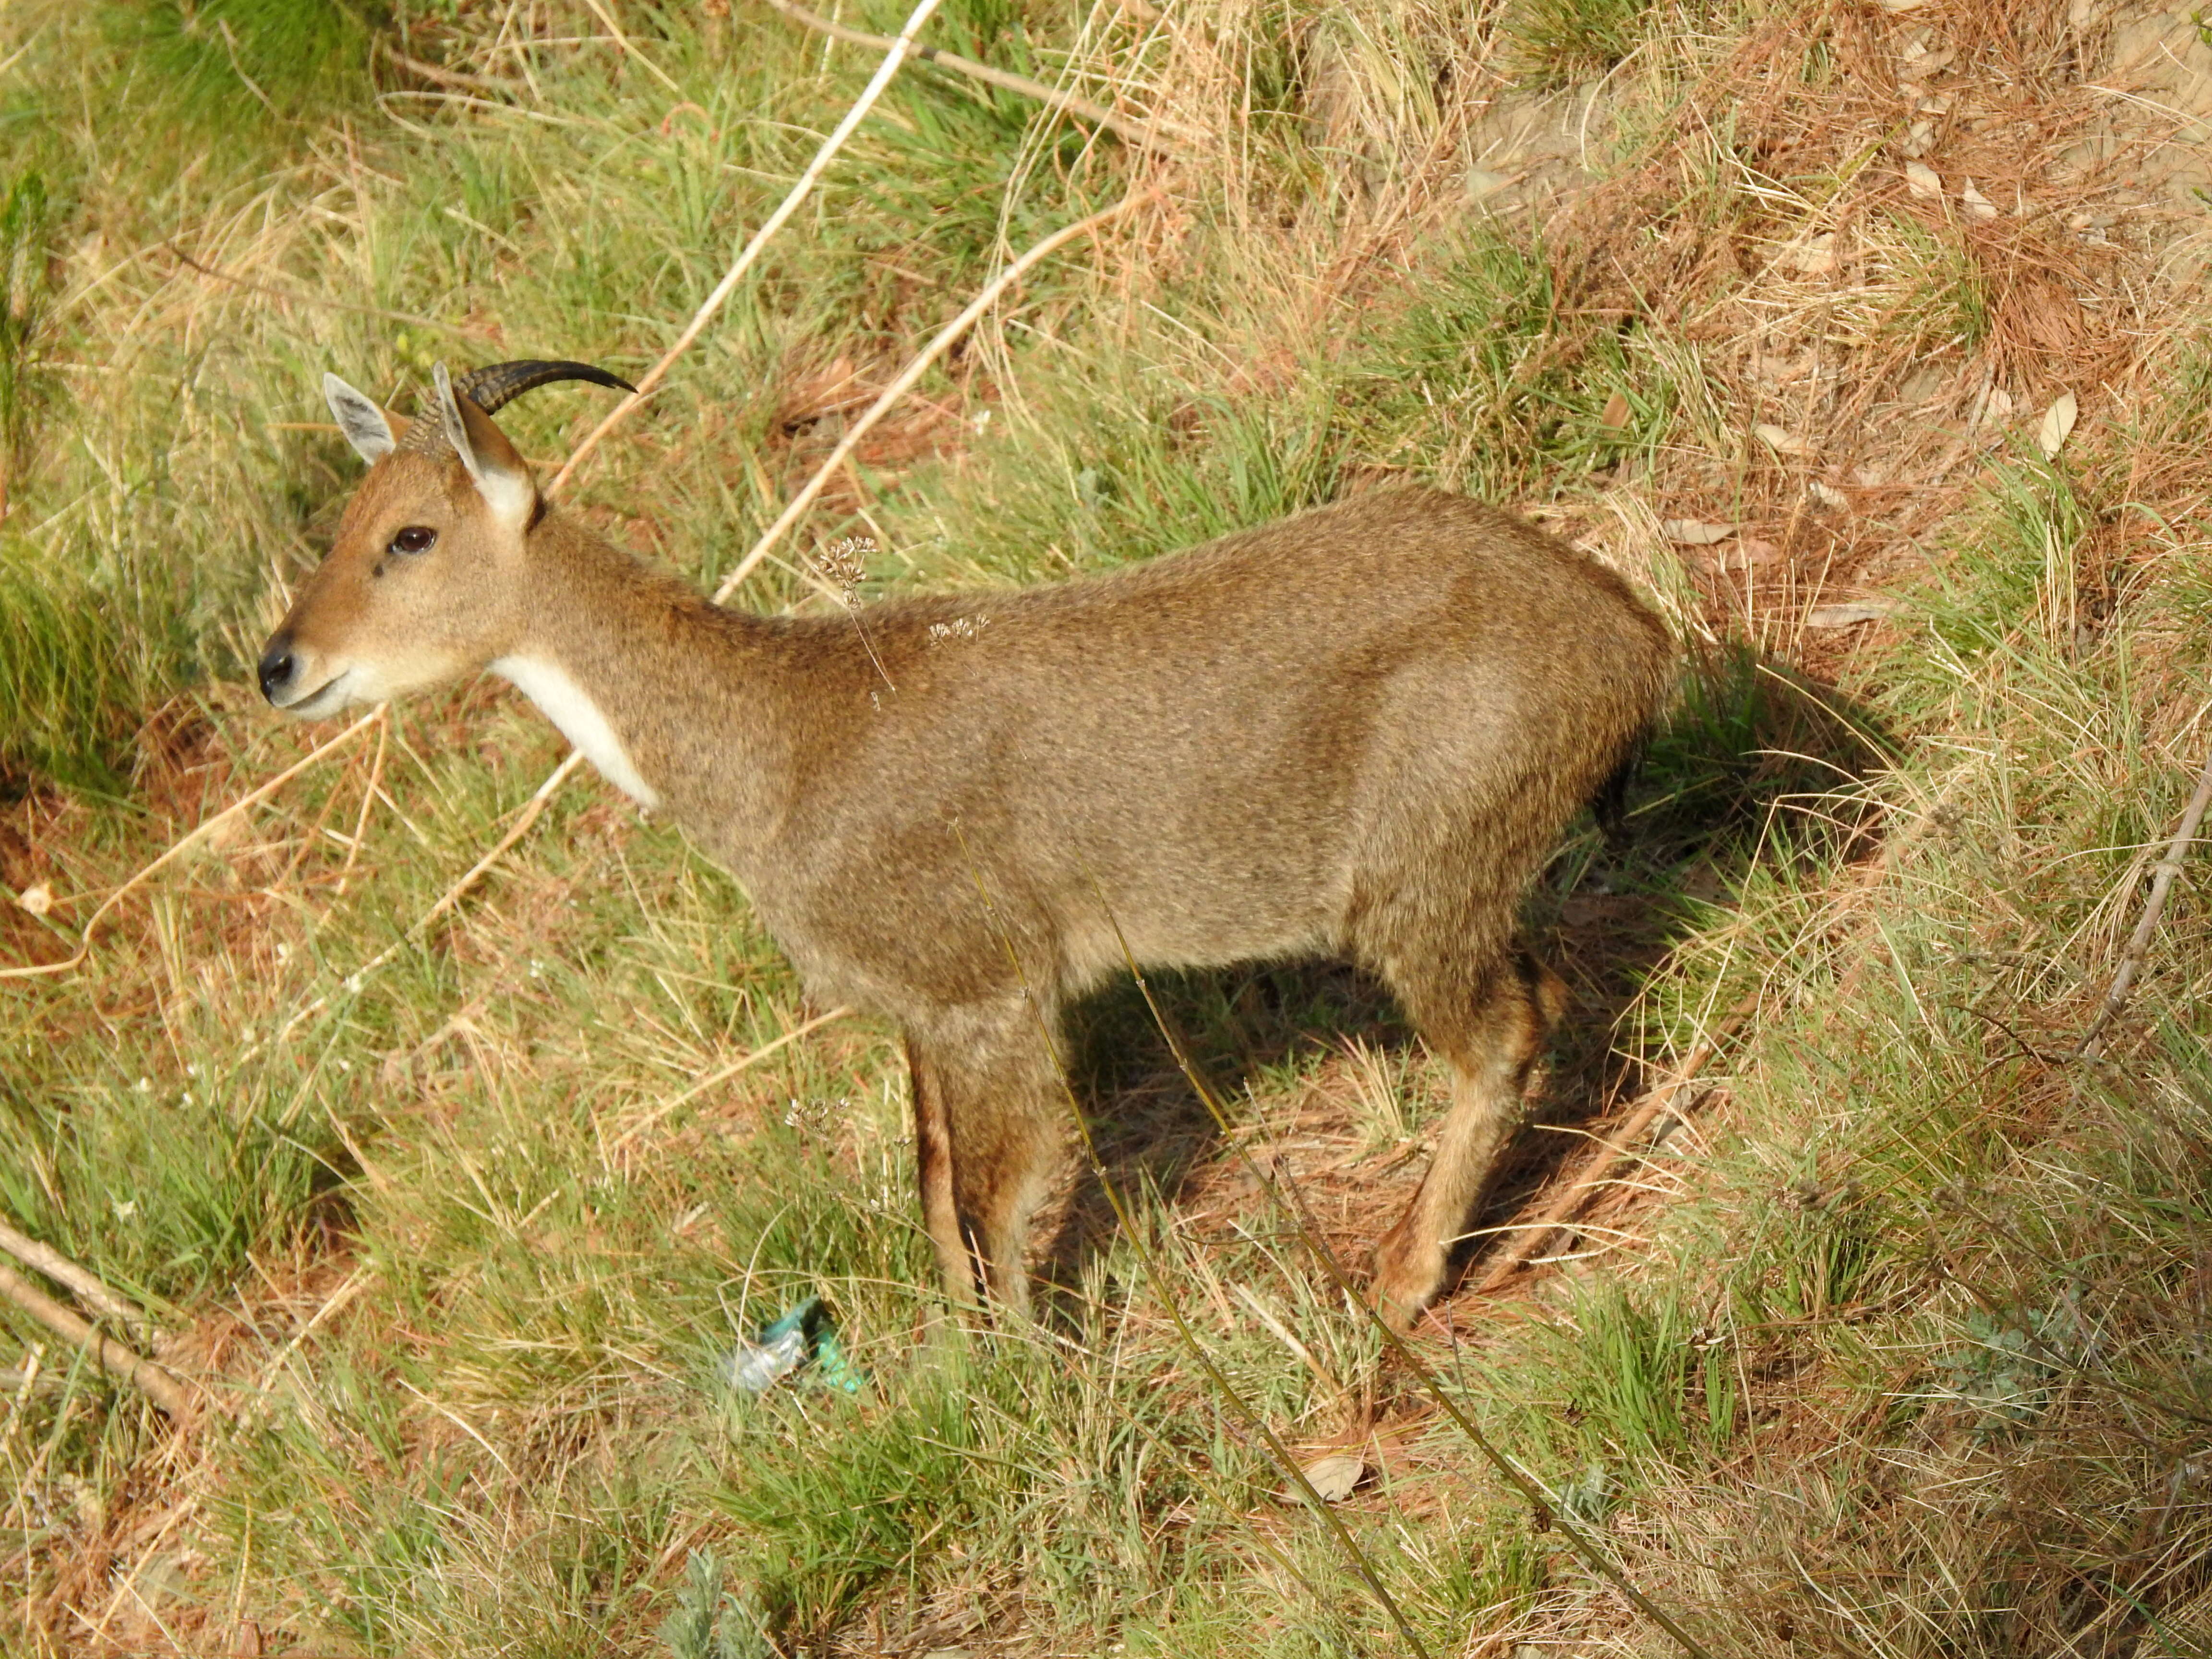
1561	41
224	65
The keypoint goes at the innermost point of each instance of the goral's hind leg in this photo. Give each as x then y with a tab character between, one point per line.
933	1154
990	1140
1491	1033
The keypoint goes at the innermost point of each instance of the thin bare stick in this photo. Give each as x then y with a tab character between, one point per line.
899	51
84	1284
164	1389
438	75
295	297
623	44
1158	133
2163	879
81	1282
722	1076
913	371
206	829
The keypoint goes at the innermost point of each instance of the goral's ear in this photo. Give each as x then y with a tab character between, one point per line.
502	477
367	427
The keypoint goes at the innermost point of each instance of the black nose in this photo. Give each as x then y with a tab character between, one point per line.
276	667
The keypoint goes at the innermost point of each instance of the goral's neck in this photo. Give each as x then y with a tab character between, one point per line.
663	691
564	701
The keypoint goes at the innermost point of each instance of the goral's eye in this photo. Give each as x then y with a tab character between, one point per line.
415	538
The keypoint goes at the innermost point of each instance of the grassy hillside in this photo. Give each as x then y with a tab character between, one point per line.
1887	1335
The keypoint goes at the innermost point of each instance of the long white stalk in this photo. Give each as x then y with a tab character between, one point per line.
900	50
913	371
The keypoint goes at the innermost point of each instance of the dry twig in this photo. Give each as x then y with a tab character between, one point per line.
913	371
159	1385
86	1286
2163	879
897	51
1158	133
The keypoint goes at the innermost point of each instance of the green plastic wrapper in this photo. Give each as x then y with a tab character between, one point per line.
784	1346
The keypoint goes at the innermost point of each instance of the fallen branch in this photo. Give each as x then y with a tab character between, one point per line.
913	371
159	1385
1157	133
440	77
2162	879
896	53
87	1288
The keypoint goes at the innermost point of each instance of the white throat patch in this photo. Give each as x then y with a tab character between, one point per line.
563	703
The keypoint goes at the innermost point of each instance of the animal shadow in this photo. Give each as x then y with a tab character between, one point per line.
1757	765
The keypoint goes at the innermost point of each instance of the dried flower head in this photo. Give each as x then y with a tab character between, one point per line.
843	564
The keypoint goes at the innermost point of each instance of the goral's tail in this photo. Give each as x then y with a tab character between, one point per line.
1610	804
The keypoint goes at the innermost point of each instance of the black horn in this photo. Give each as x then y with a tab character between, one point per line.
497	384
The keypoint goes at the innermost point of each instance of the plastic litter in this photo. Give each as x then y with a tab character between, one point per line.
755	1367
786	1345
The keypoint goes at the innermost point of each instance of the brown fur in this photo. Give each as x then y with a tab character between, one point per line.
1357	732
